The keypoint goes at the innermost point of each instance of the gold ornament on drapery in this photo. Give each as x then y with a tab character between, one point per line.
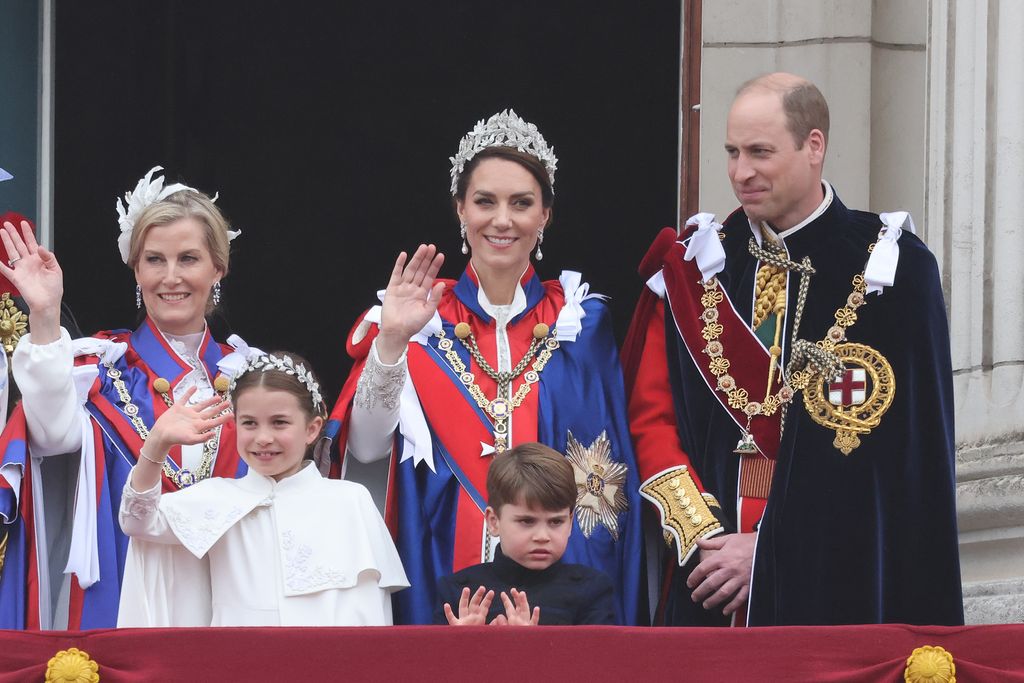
930	664
72	666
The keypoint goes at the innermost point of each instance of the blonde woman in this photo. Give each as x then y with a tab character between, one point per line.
97	397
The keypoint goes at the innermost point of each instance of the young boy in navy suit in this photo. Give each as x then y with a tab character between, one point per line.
531	491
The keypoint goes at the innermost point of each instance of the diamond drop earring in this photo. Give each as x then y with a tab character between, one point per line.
216	293
540	240
462	230
138	296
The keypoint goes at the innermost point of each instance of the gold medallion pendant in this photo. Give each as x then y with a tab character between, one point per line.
853	402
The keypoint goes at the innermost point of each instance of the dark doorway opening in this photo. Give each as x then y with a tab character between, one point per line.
327	127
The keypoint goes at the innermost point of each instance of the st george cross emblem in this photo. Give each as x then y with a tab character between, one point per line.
853	402
849	388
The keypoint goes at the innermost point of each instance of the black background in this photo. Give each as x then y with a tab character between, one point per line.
327	129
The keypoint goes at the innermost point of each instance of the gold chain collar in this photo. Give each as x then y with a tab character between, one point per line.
183	477
792	379
500	408
845	317
719	364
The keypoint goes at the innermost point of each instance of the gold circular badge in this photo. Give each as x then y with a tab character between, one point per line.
930	665
853	402
72	665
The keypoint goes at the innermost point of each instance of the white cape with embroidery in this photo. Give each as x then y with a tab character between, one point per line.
304	551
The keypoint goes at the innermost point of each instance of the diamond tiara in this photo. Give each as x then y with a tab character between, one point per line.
267	361
504	129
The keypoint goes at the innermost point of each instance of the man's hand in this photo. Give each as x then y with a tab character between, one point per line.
472	610
723	574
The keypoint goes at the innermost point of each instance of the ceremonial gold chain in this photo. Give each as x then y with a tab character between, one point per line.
807	359
3	548
500	408
718	365
183	477
845	317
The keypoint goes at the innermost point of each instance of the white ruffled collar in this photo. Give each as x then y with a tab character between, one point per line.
185	345
502	313
261	483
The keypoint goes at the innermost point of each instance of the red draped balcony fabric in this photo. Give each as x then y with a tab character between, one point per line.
837	654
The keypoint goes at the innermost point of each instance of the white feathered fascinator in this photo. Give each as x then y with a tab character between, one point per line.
148	191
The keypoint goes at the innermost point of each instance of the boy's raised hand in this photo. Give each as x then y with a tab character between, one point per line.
517	611
472	610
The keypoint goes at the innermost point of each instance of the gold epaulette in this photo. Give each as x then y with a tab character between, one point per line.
13	323
685	511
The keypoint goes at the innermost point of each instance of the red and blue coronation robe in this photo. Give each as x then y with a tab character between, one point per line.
117	445
437	516
18	573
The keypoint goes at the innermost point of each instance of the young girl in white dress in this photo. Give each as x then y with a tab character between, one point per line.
281	546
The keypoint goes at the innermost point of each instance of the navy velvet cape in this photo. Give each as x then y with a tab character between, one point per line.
869	537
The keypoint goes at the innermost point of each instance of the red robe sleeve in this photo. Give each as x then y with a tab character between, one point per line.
667	477
652	417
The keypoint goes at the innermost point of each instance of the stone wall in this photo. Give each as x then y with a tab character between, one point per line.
975	145
870	64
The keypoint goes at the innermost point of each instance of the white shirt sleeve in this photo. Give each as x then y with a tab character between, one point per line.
375	408
164	584
45	376
140	515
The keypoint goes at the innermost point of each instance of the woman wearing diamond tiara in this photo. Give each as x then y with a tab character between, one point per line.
286	547
449	374
97	397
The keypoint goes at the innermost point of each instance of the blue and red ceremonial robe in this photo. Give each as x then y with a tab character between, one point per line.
116	447
435	510
18	571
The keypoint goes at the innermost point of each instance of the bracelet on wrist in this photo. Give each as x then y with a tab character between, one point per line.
142	454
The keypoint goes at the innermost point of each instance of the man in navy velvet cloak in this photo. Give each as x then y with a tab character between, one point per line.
803	477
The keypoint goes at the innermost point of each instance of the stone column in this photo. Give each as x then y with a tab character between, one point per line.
975	202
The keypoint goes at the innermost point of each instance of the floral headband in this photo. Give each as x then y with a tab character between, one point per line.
264	362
